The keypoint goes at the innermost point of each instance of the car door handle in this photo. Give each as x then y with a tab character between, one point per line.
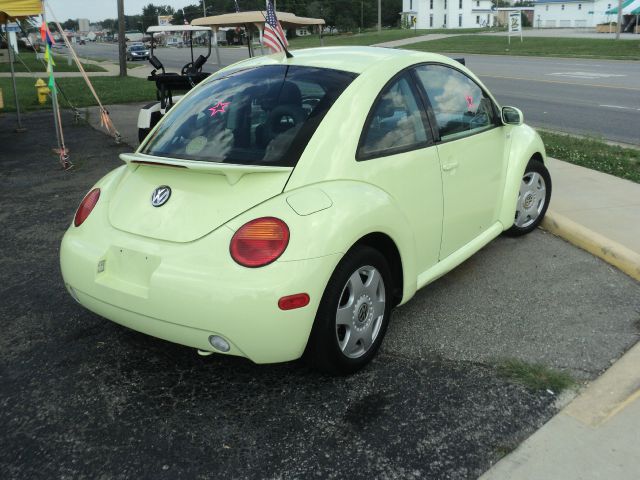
447	167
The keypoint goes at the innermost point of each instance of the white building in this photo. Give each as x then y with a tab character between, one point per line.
572	13
83	24
425	14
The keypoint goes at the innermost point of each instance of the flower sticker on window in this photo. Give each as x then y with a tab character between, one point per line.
469	99
220	107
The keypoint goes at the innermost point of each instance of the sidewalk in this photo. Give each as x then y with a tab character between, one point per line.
417	39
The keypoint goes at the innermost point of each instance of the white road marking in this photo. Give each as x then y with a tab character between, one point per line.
589	75
620	107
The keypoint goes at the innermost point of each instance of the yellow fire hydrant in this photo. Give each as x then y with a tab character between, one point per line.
43	91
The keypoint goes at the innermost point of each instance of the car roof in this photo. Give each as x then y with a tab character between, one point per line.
351	59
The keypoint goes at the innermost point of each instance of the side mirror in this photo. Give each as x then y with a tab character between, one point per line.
512	116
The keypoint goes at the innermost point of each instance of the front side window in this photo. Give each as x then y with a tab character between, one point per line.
395	124
460	106
259	116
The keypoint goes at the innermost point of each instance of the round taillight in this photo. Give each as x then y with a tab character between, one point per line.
86	205
259	242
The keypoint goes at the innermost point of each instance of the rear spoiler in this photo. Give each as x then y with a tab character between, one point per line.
232	172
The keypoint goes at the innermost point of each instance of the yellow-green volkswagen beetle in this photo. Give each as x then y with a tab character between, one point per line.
285	205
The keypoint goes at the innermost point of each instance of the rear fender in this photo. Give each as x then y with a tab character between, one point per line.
525	143
346	212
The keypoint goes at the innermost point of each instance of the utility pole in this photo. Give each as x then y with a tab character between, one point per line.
619	20
379	16
122	41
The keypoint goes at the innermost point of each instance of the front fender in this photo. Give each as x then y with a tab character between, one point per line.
525	143
356	209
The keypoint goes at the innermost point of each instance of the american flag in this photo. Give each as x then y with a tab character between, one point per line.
273	36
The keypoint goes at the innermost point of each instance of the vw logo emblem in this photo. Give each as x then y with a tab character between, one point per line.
160	196
362	312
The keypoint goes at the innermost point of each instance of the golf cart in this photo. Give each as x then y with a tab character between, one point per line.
166	82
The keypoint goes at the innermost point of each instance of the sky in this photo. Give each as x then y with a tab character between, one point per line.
96	10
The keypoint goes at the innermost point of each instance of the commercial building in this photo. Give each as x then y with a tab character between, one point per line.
572	13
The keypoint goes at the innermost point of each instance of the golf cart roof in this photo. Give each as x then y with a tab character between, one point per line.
255	17
176	28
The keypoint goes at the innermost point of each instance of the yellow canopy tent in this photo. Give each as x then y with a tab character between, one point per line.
16	10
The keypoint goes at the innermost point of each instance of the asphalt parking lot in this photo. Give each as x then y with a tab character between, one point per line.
81	397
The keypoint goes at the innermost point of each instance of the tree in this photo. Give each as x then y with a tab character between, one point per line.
70	25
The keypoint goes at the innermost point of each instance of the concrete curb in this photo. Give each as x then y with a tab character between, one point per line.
611	252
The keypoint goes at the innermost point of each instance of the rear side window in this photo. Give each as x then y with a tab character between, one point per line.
259	116
460	106
396	123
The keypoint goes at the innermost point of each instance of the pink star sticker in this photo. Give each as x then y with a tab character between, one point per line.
220	107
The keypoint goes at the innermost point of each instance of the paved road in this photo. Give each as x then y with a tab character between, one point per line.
590	97
82	397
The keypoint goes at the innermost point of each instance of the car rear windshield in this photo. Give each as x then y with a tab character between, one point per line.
135	48
259	116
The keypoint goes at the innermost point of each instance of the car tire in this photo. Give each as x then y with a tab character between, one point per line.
353	315
533	199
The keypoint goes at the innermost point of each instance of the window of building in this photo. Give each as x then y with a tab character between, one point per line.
431	4
562	7
546	8
431	20
445	19
460	106
396	123
477	3
477	19
410	4
579	6
460	4
460	20
445	4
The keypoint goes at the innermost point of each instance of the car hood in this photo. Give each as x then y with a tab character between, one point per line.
203	196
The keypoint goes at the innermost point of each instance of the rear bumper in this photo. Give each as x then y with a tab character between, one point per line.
184	293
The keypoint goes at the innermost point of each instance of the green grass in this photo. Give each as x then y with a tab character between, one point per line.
371	37
109	89
535	46
35	65
534	376
595	154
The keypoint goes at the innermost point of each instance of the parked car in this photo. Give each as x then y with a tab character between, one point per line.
284	206
137	52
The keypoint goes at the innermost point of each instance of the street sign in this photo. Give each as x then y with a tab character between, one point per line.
515	24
